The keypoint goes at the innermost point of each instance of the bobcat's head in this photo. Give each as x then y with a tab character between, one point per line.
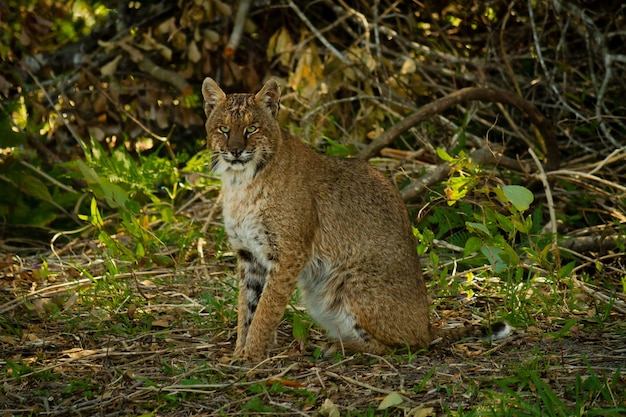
242	129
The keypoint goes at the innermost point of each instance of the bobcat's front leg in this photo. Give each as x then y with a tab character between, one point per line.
252	276
270	310
262	303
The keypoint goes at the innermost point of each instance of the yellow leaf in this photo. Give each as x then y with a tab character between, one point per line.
308	74
280	44
391	400
408	66
421	412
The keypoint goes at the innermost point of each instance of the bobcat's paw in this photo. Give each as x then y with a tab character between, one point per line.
249	355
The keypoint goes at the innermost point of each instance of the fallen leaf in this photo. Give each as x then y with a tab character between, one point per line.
78	353
391	400
329	409
421	412
9	340
284	382
161	323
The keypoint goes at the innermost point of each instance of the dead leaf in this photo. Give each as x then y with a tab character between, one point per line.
329	409
408	66
421	412
77	353
166	27
161	323
193	53
391	400
70	301
284	382
280	45
9	340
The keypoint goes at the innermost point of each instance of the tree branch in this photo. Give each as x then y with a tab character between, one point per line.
545	137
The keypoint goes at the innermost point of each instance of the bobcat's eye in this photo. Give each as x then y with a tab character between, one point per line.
224	129
251	129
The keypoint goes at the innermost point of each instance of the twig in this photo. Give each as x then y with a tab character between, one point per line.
615	303
553	225
358	383
49	178
567	172
323	40
148	66
542	62
240	20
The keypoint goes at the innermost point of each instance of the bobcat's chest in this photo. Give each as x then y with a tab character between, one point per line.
243	209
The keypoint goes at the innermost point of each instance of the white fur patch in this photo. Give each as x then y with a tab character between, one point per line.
503	330
336	319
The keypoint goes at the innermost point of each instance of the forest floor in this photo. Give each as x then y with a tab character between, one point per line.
158	342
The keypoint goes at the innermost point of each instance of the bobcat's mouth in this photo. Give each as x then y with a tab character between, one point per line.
237	162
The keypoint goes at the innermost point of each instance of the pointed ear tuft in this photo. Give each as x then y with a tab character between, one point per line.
269	95
212	94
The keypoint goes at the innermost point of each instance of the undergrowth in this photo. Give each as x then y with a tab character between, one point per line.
485	250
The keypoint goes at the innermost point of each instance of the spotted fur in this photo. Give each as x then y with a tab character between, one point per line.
337	228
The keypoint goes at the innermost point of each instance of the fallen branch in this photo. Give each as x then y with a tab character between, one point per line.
546	138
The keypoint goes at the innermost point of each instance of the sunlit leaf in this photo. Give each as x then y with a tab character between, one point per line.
520	197
391	400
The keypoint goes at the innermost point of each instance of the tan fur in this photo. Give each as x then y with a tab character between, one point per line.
337	228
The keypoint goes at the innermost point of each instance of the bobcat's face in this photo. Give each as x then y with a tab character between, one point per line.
242	128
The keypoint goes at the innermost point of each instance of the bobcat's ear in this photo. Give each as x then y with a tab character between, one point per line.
212	94
269	95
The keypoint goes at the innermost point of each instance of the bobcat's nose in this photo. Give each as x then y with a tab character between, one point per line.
236	152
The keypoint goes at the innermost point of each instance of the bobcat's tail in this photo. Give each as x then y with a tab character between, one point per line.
496	331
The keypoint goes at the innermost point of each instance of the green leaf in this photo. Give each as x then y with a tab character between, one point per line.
566	270
91	176
493	254
505	222
458	187
473	226
391	400
441	153
520	197
472	245
299	328
35	188
9	138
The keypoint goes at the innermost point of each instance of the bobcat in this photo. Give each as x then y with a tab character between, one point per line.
335	227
